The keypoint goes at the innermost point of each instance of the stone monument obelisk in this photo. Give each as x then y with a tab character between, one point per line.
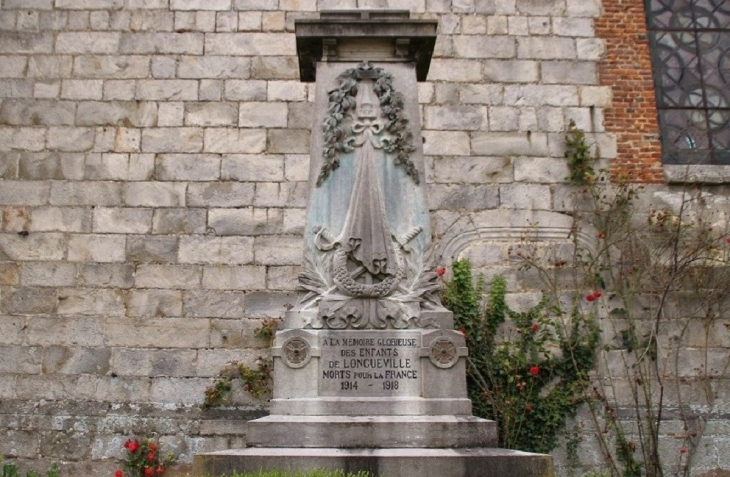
368	371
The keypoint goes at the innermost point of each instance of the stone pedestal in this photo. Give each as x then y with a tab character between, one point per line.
369	374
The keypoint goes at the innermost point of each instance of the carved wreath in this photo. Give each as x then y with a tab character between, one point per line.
338	139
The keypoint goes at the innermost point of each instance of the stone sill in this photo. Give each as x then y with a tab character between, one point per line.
696	174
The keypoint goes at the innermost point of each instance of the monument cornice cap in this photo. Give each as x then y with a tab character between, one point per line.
416	38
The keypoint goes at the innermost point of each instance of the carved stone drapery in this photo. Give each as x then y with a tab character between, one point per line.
367	265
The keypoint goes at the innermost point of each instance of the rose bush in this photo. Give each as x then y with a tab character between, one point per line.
143	459
528	371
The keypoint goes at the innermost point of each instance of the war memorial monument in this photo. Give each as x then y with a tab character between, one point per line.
369	374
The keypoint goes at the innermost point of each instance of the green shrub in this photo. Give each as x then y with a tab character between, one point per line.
528	374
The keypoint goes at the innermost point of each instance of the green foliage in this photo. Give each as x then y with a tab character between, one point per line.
216	394
257	381
528	373
11	470
658	273
578	154
625	452
267	330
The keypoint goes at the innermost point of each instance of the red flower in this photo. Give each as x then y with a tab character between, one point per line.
528	407
683	450
590	298
153	447
440	271
151	456
534	370
118	473
462	330
597	294
535	327
131	446
160	470
149	472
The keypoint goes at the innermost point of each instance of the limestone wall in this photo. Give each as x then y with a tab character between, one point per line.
153	156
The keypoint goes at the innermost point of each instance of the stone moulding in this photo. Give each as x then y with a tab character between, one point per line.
696	173
517	225
317	38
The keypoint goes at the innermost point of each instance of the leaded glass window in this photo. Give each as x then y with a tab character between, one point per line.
690	43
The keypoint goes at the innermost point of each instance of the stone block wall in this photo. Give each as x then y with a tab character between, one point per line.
153	165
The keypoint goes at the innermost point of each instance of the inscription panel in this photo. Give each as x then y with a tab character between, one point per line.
370	363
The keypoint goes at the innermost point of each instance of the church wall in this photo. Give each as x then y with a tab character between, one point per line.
153	165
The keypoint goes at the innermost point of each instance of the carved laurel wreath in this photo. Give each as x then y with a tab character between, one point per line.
338	139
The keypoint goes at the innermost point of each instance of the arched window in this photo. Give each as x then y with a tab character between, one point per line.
690	44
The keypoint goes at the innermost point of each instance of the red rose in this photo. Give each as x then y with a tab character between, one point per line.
535	327
440	271
149	472
118	473
590	298
534	370
597	294
151	456
153	447
133	446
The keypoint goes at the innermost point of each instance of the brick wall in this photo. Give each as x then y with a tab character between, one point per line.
626	67
153	165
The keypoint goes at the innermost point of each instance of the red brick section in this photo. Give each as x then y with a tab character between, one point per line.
627	69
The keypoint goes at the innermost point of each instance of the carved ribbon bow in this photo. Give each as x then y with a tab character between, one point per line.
374	126
370	129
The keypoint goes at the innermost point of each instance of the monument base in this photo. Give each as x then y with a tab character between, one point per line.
401	462
371	432
358	406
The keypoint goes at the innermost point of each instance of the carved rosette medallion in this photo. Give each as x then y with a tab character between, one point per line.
443	353
296	352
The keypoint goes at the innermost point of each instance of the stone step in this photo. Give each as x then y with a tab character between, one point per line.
371	406
472	462
371	431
